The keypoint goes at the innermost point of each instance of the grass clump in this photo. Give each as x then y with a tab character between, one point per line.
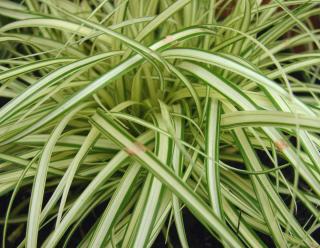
120	114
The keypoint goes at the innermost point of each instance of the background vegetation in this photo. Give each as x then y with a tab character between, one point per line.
119	115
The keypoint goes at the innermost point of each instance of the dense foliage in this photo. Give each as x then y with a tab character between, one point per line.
121	114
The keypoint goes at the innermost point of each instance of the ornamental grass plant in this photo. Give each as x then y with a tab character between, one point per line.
119	116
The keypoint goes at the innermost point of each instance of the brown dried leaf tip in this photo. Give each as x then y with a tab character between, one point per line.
135	149
281	145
